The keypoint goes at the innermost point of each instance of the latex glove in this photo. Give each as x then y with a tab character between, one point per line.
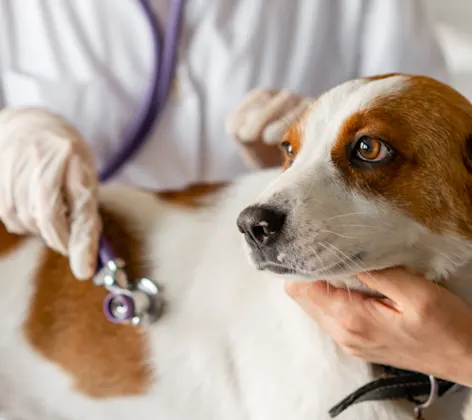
48	185
260	122
420	326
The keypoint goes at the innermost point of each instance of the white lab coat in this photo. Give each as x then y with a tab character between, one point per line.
90	60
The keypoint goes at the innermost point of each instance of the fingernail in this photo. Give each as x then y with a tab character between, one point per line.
82	269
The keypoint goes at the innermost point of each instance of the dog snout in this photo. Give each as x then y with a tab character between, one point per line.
261	224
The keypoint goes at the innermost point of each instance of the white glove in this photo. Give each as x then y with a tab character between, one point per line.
261	120
48	185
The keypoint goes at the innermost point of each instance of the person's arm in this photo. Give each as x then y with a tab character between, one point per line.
421	326
399	36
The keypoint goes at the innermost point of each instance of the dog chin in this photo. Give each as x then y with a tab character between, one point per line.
263	264
347	281
275	268
339	280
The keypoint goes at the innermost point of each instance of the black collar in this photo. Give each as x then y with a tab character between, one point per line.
398	384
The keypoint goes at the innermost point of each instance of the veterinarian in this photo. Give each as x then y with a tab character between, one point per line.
93	62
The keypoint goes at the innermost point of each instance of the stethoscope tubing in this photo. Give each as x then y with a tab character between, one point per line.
151	107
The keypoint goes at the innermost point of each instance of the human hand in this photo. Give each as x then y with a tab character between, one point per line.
419	326
261	120
48	185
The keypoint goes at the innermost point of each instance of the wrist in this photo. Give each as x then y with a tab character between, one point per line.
455	365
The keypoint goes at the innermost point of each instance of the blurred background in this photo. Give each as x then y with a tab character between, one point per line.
454	25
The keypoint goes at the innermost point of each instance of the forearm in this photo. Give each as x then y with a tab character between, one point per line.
459	370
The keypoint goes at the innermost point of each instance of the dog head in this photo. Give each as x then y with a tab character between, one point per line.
378	174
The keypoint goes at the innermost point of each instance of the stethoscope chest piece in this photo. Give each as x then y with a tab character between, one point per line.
135	303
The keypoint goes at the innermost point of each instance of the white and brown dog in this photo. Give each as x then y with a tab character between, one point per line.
379	174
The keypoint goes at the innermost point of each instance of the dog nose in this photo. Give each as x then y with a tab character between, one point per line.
261	224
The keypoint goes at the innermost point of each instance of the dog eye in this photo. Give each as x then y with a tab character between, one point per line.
370	149
287	148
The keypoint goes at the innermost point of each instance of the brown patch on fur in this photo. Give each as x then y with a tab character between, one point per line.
429	125
8	241
192	196
67	326
294	137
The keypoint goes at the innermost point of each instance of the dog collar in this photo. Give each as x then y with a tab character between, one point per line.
131	302
400	384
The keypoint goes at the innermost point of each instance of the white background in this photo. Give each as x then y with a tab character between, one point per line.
454	25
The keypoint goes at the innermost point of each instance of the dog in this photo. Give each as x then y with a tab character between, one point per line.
378	173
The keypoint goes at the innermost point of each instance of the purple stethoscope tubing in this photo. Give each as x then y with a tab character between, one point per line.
150	109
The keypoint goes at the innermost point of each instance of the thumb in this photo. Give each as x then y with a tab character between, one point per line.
322	296
396	284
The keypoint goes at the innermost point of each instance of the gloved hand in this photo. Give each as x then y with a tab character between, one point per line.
260	121
48	185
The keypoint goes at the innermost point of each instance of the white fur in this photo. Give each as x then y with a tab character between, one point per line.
233	346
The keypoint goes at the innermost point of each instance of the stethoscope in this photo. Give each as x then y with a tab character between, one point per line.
138	302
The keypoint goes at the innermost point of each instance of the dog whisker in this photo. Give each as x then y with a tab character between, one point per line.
438	287
337	234
328	290
335	248
349	292
319	259
339	216
308	192
367	227
332	251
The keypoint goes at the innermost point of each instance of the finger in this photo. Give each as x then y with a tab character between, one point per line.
83	253
52	222
315	313
255	121
13	224
8	212
85	226
338	311
259	155
51	211
11	177
254	99
274	131
331	300
82	149
296	289
318	292
396	284
298	292
24	205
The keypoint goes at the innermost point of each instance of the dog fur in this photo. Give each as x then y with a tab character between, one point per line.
231	344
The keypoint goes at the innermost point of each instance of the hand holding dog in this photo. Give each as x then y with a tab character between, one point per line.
420	326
